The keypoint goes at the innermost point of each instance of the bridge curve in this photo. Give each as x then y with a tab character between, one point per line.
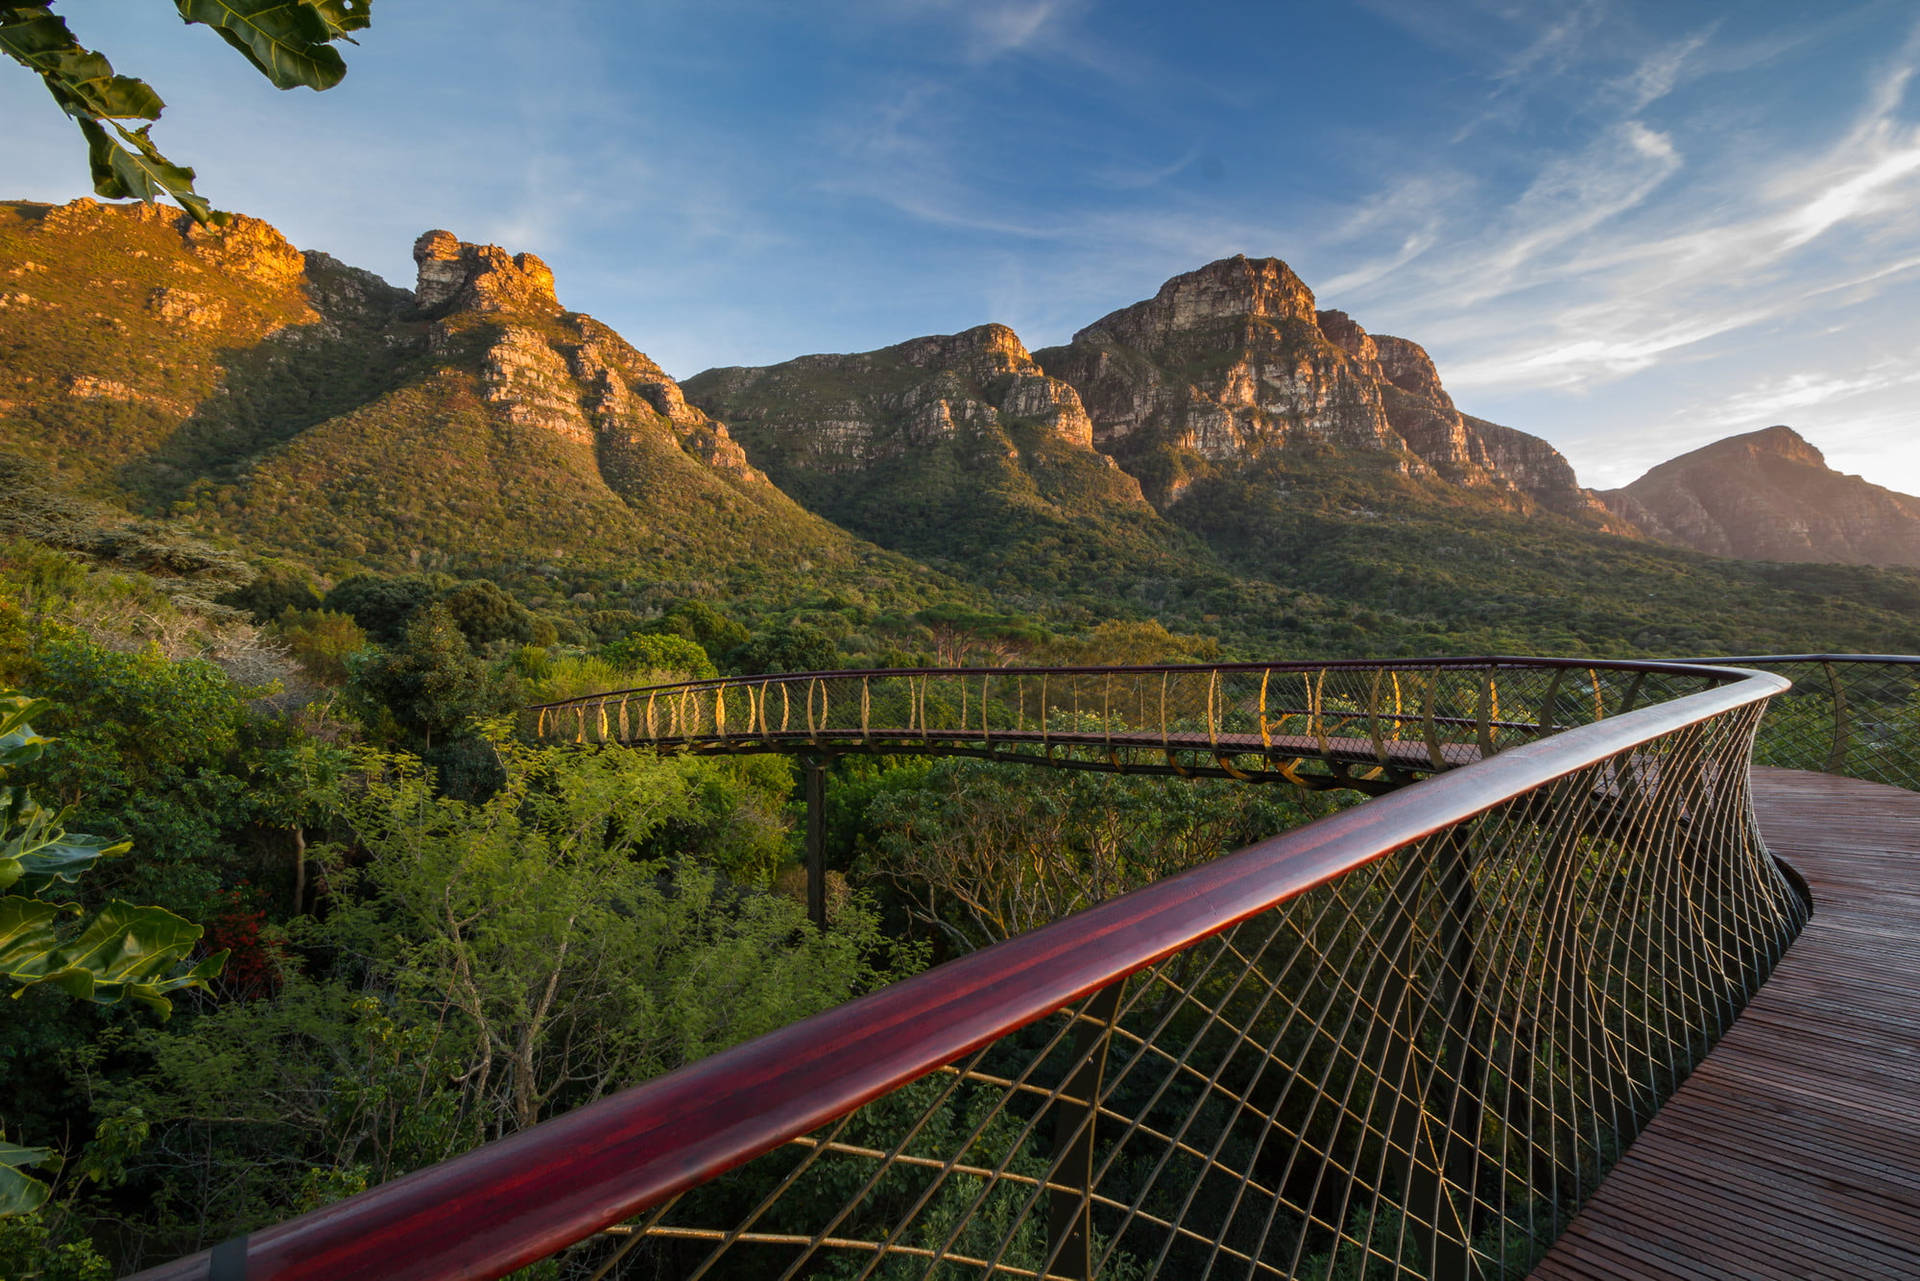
1364	725
1406	1039
1794	1149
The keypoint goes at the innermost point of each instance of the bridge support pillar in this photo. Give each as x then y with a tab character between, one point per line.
1070	1209
816	772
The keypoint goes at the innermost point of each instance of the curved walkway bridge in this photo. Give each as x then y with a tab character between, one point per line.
1577	992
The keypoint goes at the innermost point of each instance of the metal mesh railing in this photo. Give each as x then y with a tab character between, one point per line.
1417	1069
1364	725
1852	714
1406	1040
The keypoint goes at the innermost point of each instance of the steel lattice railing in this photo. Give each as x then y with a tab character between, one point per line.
1405	1040
1368	726
1853	714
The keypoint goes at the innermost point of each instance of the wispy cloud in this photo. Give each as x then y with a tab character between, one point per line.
1659	72
1580	282
1777	399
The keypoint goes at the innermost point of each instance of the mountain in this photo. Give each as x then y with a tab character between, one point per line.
305	407
1317	483
1769	495
1225	457
1233	367
958	450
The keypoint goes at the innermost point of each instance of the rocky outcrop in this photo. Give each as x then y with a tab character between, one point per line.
245	247
1344	332
1769	495
1543	473
454	275
558	371
1233	363
628	399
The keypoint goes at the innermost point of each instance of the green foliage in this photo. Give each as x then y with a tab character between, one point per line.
41	508
980	853
35	848
124	953
21	1193
702	624
1116	643
786	647
431	683
153	744
278	587
383	605
661	653
485	613
322	641
288	41
482	965
32	1248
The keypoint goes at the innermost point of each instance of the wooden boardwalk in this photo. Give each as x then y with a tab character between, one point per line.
1794	1150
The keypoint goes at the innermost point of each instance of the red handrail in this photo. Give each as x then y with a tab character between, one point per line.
523	1198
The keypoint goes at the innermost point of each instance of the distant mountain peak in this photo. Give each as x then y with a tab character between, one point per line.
1237	288
1769	495
1779	441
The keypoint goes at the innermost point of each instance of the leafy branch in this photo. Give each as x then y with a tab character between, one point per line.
290	42
125	953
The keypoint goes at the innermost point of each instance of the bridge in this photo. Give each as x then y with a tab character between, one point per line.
1577	990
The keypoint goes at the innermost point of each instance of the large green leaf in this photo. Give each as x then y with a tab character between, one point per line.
124	953
26	931
18	743
82	81
36	849
287	40
20	1193
140	172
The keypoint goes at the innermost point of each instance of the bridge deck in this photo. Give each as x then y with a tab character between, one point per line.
1794	1149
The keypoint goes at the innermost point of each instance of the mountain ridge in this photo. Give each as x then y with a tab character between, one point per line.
1226	455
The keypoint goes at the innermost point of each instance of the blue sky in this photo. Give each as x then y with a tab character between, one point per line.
1629	227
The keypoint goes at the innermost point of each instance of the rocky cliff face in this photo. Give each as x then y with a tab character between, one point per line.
1231	363
955	447
1769	495
291	399
844	414
1224	364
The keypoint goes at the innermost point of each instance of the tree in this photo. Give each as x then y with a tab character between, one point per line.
288	41
789	647
381	604
431	682
485	613
661	652
702	624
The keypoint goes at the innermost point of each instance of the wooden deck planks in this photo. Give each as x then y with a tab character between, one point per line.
1794	1149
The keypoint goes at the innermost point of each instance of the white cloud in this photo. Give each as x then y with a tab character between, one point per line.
1777	399
1659	72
